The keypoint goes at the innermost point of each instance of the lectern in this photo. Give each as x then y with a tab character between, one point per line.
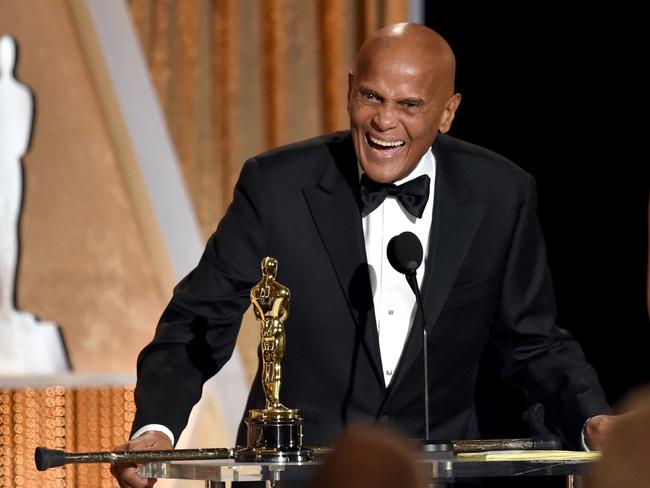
443	473
442	467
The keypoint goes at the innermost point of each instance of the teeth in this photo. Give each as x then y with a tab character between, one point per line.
379	142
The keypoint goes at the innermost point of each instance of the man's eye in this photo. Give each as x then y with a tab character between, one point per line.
369	98
412	107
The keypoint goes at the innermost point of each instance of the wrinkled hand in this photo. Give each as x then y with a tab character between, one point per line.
599	428
126	474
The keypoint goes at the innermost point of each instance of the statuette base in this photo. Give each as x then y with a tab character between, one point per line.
272	439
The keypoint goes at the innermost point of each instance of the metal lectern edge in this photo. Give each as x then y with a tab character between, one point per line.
444	470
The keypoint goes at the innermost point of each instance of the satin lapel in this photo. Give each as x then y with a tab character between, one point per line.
456	217
335	210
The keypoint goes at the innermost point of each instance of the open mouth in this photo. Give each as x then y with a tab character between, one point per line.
386	147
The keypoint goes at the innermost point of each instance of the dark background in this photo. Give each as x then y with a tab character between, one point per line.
562	90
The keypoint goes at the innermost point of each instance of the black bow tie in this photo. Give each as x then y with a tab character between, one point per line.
413	194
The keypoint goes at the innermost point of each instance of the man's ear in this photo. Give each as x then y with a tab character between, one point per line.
448	113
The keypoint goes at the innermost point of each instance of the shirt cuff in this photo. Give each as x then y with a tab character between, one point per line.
157	428
583	440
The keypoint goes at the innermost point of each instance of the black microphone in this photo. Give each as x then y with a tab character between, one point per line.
405	255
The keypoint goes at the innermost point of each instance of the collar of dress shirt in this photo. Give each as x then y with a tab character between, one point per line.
426	166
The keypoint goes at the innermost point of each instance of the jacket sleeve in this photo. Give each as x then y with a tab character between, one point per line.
537	354
196	334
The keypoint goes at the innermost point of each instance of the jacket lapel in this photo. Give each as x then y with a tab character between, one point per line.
457	214
335	210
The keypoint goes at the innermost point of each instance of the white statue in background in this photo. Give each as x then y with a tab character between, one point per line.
26	345
16	108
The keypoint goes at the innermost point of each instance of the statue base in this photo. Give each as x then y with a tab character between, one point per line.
274	435
29	346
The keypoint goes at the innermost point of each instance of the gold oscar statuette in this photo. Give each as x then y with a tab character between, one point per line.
275	431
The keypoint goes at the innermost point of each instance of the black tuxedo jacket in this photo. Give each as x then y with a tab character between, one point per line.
486	276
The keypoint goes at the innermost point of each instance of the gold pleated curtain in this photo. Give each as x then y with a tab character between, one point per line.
236	77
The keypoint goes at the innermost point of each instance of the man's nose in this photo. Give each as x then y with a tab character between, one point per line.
386	117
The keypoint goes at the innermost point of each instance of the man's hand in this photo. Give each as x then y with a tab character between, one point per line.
598	429
126	474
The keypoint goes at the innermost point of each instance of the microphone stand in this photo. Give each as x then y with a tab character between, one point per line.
405	254
413	283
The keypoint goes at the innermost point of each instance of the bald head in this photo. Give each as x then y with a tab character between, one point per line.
414	43
401	95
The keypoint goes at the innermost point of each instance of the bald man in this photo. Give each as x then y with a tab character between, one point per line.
354	350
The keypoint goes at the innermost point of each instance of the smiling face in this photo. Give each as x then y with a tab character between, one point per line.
400	96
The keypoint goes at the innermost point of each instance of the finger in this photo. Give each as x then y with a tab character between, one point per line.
127	476
118	469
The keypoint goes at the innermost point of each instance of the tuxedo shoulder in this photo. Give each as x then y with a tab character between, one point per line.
479	163
485	170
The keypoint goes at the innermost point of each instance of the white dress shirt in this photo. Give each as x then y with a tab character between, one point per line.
393	299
